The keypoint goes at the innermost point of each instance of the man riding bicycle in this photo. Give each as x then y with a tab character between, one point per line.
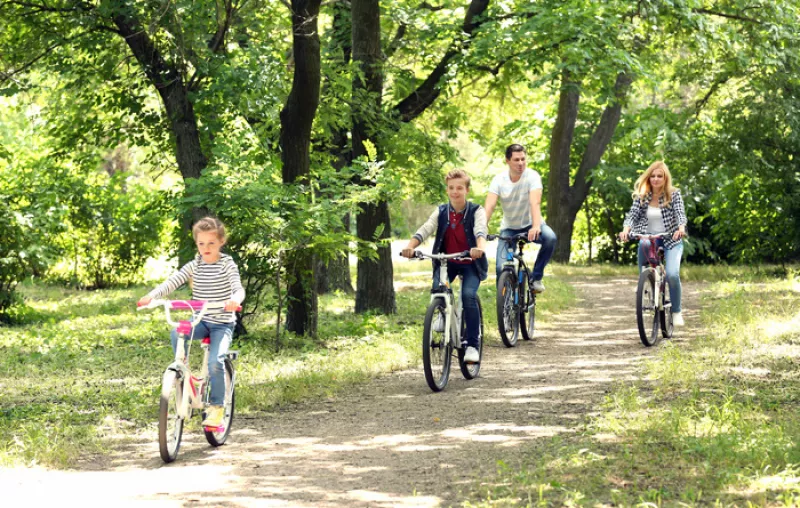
520	193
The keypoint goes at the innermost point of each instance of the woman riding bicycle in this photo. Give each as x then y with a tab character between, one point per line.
658	209
460	226
215	278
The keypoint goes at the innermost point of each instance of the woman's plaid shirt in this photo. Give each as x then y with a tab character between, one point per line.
673	215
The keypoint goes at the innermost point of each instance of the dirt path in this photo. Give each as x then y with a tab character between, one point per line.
391	442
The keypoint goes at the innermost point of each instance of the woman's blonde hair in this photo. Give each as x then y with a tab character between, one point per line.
207	224
458	173
642	186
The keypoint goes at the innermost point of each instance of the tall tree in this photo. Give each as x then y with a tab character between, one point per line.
297	117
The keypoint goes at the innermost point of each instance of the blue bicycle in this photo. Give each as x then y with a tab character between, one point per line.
516	300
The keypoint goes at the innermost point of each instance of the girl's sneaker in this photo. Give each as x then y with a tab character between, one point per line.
214	416
677	319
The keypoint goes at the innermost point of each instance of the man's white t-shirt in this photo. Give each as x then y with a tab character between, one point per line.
514	197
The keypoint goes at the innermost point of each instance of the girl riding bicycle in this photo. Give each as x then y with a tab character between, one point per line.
459	226
214	278
658	209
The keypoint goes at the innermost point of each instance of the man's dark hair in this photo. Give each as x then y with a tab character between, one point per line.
514	148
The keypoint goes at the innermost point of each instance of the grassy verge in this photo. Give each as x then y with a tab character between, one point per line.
715	422
85	367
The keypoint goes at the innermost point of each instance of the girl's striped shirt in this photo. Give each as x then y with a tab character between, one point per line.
213	282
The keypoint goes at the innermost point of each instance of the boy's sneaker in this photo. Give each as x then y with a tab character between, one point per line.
438	323
471	355
537	286
677	319
214	416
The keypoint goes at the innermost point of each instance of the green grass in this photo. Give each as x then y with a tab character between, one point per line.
714	423
84	367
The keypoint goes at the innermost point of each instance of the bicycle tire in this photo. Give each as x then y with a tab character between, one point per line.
218	436
437	350
471	370
527	314
507	310
667	326
646	313
170	425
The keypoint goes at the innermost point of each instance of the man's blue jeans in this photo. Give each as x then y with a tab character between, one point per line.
672	265
547	239
221	336
469	296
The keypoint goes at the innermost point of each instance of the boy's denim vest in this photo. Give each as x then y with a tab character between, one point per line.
481	264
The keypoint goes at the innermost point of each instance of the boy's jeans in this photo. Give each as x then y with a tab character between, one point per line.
469	295
672	265
547	239
221	336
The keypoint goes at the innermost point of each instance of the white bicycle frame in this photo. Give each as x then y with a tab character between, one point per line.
454	311
193	386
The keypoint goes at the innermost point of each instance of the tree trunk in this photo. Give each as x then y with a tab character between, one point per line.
374	285
558	187
335	275
295	138
564	201
169	82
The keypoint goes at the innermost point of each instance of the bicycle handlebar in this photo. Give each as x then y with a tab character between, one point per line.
518	236
198	306
638	236
458	256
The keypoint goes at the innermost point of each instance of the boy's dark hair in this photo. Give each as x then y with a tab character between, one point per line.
458	173
514	148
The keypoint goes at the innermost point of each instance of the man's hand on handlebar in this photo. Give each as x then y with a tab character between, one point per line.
475	253
407	253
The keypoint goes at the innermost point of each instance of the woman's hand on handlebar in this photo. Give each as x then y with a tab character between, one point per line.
680	233
625	235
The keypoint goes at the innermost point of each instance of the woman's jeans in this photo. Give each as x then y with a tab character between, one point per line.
221	335
672	265
547	239
469	296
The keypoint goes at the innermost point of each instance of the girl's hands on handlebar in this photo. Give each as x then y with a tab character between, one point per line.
231	306
144	301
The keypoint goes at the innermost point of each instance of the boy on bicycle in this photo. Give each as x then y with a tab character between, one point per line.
215	278
459	226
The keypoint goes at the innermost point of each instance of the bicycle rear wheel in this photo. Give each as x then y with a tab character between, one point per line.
436	347
646	311
527	312
170	425
218	436
507	308
471	370
667	327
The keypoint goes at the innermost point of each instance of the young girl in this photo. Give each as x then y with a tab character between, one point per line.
215	278
459	226
658	208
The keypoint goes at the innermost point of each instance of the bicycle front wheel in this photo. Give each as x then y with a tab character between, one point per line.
646	311
436	347
667	327
527	315
170	424
508	308
471	370
218	436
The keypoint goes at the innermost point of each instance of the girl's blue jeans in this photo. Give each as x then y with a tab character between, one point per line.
672	265
469	296
221	336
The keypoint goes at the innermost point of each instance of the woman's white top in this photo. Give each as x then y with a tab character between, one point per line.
655	222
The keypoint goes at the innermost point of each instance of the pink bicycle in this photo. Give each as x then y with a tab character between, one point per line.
182	391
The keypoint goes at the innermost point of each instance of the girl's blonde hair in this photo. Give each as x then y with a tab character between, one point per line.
458	173
642	186
207	224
